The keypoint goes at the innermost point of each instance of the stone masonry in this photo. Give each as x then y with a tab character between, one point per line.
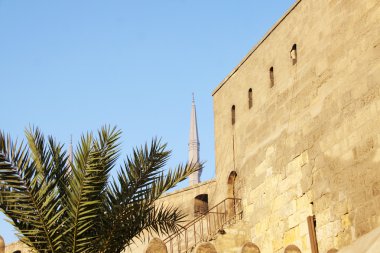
309	145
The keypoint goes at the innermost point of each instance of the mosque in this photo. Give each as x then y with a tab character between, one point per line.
297	142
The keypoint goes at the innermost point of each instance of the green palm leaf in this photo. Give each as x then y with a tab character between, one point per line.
93	162
129	209
61	206
27	196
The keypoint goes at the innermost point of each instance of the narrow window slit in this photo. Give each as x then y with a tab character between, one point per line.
233	115
271	76
250	98
293	54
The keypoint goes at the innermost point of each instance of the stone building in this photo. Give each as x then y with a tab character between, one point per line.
297	141
297	136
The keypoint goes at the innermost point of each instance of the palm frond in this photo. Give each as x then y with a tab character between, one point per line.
129	208
27	197
93	162
59	206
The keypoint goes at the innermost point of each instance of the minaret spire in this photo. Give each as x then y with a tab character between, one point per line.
70	152
194	145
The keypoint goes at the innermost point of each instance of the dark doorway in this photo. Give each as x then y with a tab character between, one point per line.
200	204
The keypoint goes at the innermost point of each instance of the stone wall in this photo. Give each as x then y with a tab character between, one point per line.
183	199
309	145
10	248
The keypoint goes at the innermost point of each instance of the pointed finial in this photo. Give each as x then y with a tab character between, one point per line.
71	139
194	145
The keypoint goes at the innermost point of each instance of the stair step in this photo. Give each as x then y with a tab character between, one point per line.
207	227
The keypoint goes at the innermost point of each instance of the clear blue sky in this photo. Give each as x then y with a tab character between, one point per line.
70	66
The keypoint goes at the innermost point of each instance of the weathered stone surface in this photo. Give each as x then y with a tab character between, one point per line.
368	243
156	245
250	247
206	247
320	126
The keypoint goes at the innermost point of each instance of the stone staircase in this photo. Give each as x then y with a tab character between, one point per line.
215	223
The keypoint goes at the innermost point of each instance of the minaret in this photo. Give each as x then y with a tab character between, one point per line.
70	153
194	145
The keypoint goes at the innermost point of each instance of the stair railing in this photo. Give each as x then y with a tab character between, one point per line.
205	227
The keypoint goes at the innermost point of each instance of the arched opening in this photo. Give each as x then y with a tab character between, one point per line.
231	184
250	98
17	251
233	116
293	54
231	195
200	204
271	76
292	249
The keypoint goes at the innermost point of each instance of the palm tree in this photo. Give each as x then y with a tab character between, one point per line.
61	206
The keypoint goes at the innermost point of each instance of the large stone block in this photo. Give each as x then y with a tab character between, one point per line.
376	188
291	235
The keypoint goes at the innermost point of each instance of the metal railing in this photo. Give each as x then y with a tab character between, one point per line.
205	227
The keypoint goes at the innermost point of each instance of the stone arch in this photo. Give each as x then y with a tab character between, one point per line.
250	247
205	247
156	246
231	194
231	184
292	249
200	204
333	250
2	245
